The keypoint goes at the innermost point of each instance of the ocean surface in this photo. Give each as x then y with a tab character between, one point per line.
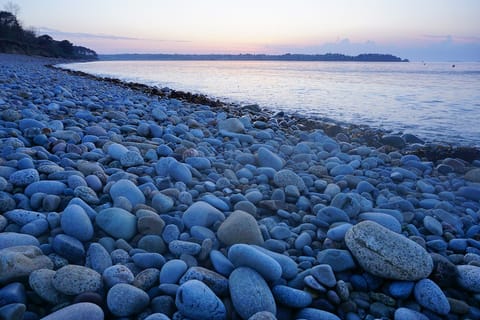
438	102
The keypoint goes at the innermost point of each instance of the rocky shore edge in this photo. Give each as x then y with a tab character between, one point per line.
120	203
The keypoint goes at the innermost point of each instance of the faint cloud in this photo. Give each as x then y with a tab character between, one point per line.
92	36
57	33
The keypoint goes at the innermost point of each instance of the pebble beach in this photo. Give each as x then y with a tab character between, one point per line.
118	202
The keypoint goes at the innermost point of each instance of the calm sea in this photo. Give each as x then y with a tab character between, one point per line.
438	102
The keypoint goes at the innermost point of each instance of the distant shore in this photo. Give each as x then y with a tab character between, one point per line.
369	57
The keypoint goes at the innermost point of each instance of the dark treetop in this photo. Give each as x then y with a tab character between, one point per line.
14	39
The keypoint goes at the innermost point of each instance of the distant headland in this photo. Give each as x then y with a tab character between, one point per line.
366	57
15	39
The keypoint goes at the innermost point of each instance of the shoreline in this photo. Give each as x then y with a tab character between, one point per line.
117	203
364	134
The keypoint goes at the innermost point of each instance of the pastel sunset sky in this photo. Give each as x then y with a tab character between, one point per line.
430	30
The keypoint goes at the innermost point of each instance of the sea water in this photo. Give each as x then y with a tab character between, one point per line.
439	102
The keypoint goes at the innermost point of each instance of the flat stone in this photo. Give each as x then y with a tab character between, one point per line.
73	280
240	227
250	293
124	300
16	263
387	254
195	300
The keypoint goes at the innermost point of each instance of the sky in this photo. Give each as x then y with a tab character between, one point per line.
419	30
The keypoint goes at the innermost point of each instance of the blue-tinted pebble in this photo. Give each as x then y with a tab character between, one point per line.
339	260
315	314
13	293
172	271
98	258
195	300
401	289
243	255
337	233
69	248
250	293
117	274
125	300
408	314
220	263
430	296
148	260
35	228
179	247
45	186
76	223
291	297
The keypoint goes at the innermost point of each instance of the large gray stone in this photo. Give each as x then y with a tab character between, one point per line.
73	280
17	263
387	254
240	227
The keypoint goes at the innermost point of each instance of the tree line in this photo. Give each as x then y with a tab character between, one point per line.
15	39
